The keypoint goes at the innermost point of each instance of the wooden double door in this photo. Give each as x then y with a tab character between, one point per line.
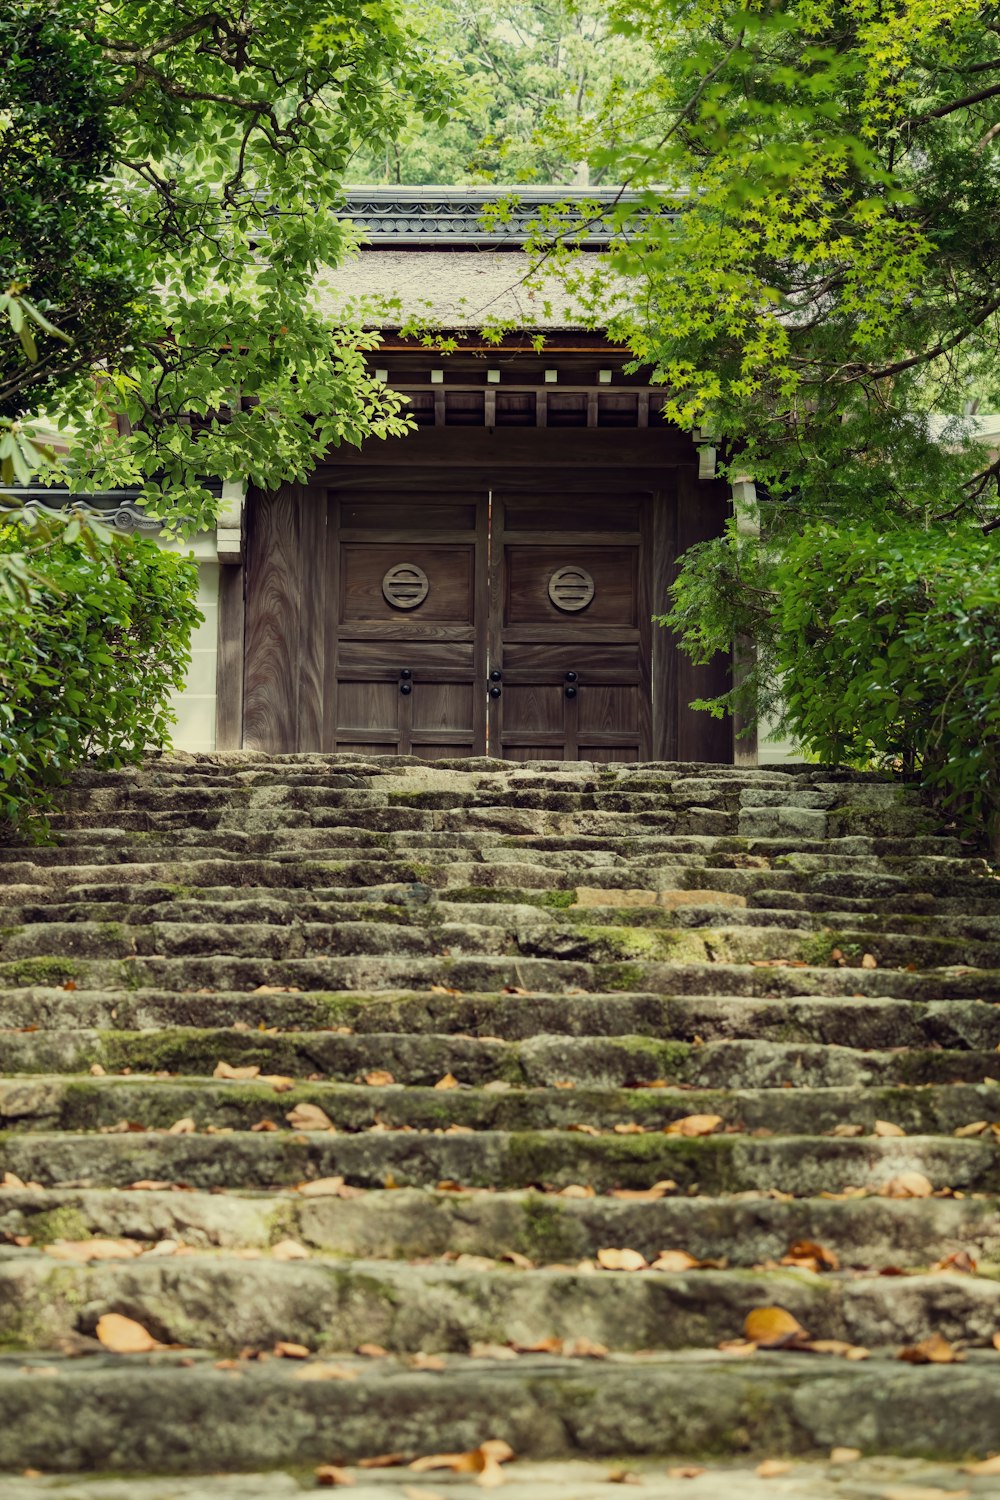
515	624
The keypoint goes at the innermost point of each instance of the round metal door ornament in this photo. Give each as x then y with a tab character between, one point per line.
571	589
405	586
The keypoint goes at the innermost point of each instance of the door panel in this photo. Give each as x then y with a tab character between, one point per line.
407	658
570	627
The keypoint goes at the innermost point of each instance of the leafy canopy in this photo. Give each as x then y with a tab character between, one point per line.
195	157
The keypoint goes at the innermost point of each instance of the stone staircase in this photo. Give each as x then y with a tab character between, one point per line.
312	1051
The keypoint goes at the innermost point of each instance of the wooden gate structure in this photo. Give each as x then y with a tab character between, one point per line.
486	584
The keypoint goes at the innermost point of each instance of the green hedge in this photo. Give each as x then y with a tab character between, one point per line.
88	657
889	643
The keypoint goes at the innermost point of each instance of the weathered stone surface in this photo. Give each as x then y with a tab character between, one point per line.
465	987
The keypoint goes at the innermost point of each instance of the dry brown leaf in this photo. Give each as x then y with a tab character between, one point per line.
645	1195
886	1128
738	1348
97	1071
383	1461
289	1250
276	989
443	989
576	1190
685	1471
378	1077
95	1249
694	1125
976	1128
261	1126
322	1187
958	1260
309	1117
123	1335
922	1492
772	1327
846	1132
995	1341
371	1351
317	1369
493	1351
327	1475
844	1455
584	1349
811	1256
543	1346
186	1126
621	1260
278	1082
623	1476
629	1127
449	1081
422	1361
675	1261
223	1070
984	1466
834	1346
931	1351
285	1350
907	1185
517	1259
773	1468
869	961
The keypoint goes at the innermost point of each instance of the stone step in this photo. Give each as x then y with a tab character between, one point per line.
542	1060
81	1104
227	1303
854	1019
531	931
800	1165
94	1414
746	1228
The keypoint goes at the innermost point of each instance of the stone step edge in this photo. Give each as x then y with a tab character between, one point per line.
94	1414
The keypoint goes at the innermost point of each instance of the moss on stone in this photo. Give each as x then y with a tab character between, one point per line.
65	1223
40	971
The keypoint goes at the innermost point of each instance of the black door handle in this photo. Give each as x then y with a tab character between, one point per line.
495	692
571	691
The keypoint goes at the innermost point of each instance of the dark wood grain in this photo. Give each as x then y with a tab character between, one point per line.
273	585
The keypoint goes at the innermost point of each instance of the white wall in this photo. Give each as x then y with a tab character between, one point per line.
195	704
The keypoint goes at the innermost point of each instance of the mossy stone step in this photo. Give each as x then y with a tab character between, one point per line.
81	1104
746	1228
802	1165
225	1304
94	1415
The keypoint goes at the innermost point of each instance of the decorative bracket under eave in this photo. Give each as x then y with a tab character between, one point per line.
229	525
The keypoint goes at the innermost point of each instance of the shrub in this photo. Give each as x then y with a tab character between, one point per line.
88	655
889	643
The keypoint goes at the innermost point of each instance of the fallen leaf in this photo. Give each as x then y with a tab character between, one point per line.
907	1185
379	1077
846	1132
623	1476
694	1125
422	1361
284	1350
922	1492
309	1117
262	1125
738	1348
327	1475
278	1082
276	989
97	1071
621	1260
869	961
449	1081
371	1351
317	1369
674	1261
834	1346
959	1260
995	1341
772	1327
492	1351
886	1128
645	1195
95	1249
976	1128
984	1466
443	989
844	1455
807	1254
685	1471
931	1351
383	1461
322	1187
289	1250
575	1190
772	1468
546	1346
223	1070
123	1335
584	1349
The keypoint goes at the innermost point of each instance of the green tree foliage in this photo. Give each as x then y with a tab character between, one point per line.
813	271
529	77
88	657
889	642
204	149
